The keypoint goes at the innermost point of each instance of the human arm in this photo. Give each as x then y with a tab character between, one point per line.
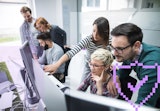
68	55
99	82
42	60
52	68
111	86
150	90
23	33
85	83
121	74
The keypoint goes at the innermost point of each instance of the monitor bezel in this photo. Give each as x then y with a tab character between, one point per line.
29	70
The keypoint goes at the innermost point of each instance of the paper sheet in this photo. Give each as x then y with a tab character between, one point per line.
6	100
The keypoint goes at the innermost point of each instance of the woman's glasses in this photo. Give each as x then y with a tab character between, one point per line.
95	65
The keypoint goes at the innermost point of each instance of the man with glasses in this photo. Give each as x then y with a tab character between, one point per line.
28	32
127	47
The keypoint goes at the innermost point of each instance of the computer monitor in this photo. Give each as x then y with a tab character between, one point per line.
27	58
28	74
49	89
82	101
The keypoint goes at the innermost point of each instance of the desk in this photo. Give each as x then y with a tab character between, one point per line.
14	70
8	52
14	64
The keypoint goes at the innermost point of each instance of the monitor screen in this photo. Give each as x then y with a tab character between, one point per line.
82	101
28	73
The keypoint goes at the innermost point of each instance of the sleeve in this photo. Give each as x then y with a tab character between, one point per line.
22	34
58	35
105	90
63	34
85	84
81	45
56	56
106	94
26	35
42	60
150	90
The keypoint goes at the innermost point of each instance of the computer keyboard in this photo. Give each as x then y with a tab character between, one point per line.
47	73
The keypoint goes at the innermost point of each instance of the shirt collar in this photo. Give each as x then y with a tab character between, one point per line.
137	56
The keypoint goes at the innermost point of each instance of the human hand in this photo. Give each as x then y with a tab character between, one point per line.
111	86
50	68
99	78
99	81
35	56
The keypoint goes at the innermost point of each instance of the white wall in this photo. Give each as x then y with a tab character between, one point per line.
70	20
150	24
51	10
59	12
67	14
147	20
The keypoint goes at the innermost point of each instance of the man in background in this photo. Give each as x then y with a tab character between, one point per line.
52	53
28	32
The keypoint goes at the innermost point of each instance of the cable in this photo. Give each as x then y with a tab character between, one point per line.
20	103
29	87
26	103
17	103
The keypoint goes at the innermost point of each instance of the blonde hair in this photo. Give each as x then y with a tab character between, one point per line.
42	21
104	55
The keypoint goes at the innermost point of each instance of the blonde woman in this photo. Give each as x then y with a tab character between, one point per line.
100	63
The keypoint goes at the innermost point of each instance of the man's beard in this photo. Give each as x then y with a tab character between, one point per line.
46	47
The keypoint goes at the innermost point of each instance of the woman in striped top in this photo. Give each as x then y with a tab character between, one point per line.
98	39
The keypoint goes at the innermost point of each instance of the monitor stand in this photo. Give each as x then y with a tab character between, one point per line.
31	95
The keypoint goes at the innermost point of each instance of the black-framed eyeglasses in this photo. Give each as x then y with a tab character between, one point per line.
119	49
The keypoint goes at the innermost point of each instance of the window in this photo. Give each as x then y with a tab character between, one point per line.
89	3
92	3
151	4
13	1
120	4
97	3
10	21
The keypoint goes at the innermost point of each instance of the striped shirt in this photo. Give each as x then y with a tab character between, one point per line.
88	44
